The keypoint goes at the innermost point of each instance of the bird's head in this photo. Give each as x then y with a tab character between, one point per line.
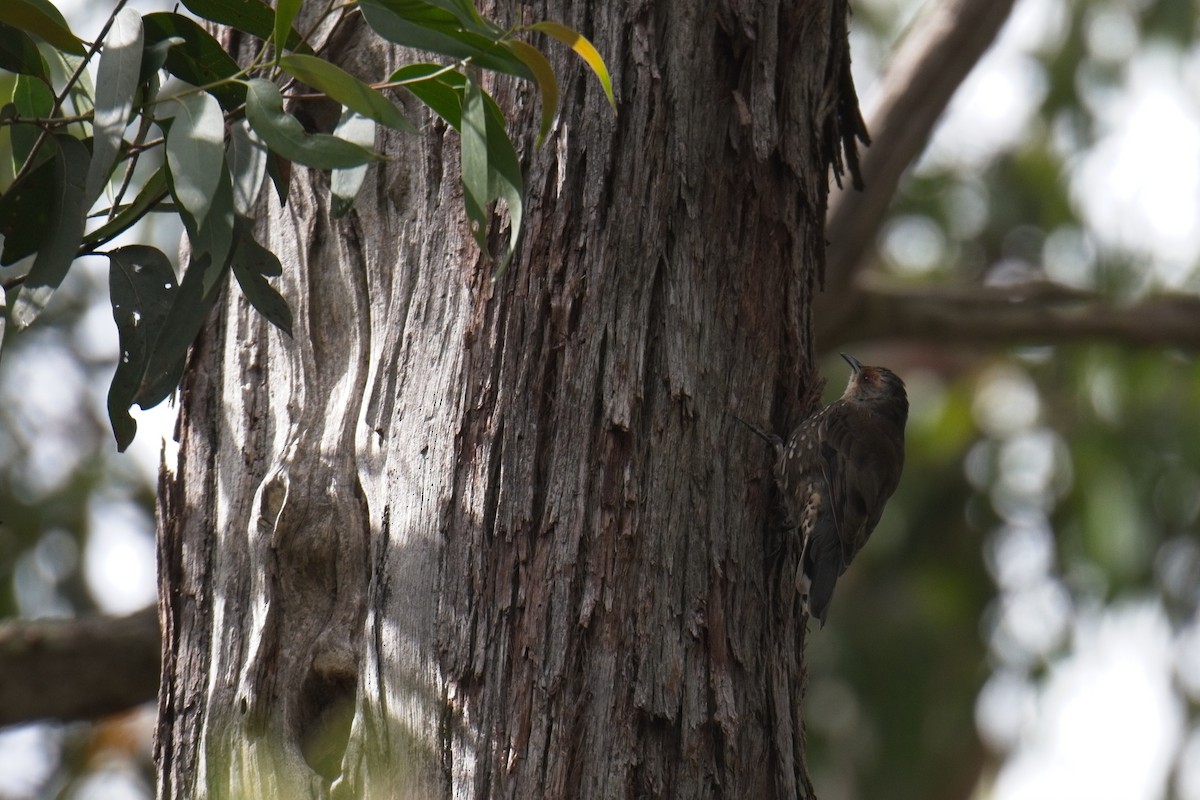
878	388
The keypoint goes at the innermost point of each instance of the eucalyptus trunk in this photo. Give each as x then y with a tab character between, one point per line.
490	536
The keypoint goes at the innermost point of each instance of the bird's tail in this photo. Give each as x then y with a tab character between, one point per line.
820	566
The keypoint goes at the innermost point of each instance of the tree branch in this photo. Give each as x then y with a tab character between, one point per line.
1034	313
934	59
77	668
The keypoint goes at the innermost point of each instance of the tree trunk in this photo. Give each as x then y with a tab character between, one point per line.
503	538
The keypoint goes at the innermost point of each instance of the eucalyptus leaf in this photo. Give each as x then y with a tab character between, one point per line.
252	263
80	100
116	81
19	54
213	236
505	178
212	245
25	212
247	161
346	89
32	99
467	15
284	134
584	49
60	242
195	151
250	254
279	170
285	13
345	183
444	92
190	307
436	87
154	57
198	58
142	287
41	20
547	83
251	16
475	162
422	26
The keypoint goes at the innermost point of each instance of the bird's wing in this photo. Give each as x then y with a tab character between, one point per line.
856	462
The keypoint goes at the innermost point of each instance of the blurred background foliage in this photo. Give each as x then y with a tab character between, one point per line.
1024	623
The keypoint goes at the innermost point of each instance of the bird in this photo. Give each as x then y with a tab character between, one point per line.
835	474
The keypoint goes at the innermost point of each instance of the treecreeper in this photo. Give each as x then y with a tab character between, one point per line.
835	474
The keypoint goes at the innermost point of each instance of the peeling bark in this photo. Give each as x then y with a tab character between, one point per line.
502	538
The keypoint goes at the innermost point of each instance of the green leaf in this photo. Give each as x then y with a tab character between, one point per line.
279	170
19	54
32	99
252	263
284	134
443	91
255	258
25	212
154	57
210	239
116	81
543	74
61	239
152	193
141	288
475	162
505	179
467	15
346	89
81	98
199	60
285	13
247	161
251	16
213	236
196	151
423	26
190	307
42	20
345	183
452	17
424	14
211	243
436	87
584	49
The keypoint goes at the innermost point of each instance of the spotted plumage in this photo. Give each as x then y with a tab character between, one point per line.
836	473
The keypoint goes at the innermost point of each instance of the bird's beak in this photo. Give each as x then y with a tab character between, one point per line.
854	363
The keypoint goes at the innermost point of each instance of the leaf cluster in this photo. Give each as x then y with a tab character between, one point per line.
218	129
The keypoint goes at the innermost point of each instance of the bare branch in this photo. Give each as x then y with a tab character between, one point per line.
1034	313
77	668
935	58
